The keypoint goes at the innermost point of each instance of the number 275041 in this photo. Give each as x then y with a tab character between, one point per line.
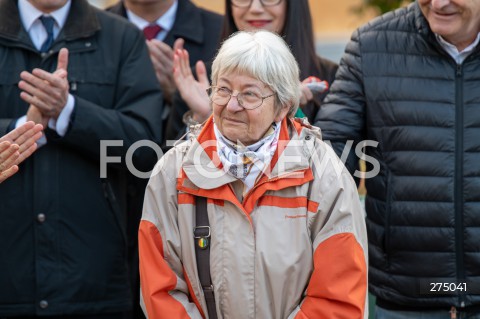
448	286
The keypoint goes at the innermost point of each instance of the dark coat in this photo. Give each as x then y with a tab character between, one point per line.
200	29
63	243
397	86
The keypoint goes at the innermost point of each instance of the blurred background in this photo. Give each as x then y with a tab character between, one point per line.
334	20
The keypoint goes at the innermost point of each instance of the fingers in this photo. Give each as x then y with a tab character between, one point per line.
17	146
7	173
202	74
161	65
34	100
162	60
14	134
182	73
182	64
31	93
185	61
11	155
27	151
62	62
161	52
51	78
176	65
47	91
306	95
28	139
8	155
25	144
25	135
178	45
6	147
61	73
43	81
161	56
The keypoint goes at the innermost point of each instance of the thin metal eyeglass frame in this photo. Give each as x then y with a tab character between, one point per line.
250	3
210	91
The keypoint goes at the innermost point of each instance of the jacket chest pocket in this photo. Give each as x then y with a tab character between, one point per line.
96	84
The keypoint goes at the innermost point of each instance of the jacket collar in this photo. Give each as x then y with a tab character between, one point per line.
119	9
421	23
81	22
188	22
204	169
202	166
422	26
202	174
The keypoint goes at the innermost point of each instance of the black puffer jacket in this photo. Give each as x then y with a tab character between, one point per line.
396	85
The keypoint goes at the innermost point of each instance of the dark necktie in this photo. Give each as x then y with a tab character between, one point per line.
151	31
48	23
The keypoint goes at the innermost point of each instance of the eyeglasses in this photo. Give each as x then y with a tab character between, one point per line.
248	3
247	100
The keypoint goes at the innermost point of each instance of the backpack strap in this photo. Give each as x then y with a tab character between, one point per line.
201	234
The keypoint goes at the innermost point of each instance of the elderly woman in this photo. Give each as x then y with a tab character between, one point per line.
282	227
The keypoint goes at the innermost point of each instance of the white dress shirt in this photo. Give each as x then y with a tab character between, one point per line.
166	21
458	56
35	29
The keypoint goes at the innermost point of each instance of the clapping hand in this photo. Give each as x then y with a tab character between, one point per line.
161	55
46	92
193	91
16	146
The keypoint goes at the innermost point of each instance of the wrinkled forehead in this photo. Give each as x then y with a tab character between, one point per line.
242	77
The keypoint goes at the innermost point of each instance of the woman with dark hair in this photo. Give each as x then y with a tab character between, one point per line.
289	18
297	31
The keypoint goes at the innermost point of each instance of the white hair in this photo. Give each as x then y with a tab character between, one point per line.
265	56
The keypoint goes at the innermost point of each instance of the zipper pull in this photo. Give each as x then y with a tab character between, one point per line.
453	313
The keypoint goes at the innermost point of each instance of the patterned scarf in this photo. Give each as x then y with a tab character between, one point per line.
247	162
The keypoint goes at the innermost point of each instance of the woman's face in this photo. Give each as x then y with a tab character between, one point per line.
239	124
271	18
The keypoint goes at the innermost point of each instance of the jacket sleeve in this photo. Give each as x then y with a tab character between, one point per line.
134	112
341	117
338	284
164	288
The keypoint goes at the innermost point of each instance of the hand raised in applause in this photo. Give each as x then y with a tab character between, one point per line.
45	91
161	55
193	91
16	146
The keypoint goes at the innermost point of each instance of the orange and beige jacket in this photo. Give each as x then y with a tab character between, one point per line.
295	247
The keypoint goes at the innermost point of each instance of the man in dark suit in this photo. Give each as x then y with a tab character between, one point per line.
87	77
168	25
180	24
